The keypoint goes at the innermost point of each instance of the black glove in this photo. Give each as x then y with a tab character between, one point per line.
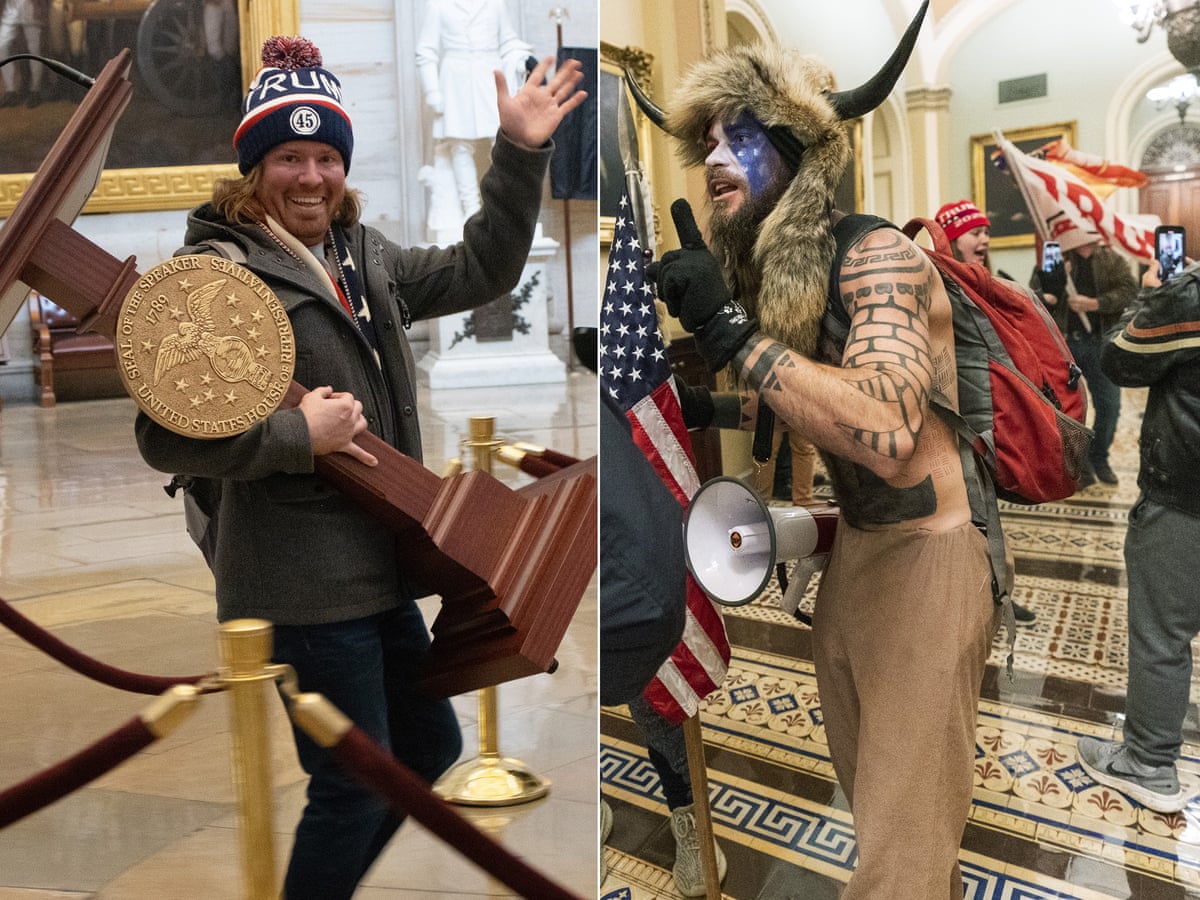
692	285
1054	281
696	404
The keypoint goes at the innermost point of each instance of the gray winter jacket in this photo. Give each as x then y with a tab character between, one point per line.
289	547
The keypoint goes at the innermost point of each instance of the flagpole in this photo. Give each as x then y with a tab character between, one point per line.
693	739
559	14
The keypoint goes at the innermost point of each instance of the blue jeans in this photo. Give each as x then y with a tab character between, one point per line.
1164	616
368	669
1106	396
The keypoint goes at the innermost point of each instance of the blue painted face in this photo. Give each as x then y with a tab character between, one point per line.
749	144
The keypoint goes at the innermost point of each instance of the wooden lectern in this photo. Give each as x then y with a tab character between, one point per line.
510	566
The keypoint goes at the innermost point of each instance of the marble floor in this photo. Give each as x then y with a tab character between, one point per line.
92	549
1039	826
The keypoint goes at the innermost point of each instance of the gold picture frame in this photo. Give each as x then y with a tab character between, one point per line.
994	191
613	62
160	187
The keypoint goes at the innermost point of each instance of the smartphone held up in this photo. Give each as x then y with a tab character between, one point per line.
1051	256
1169	250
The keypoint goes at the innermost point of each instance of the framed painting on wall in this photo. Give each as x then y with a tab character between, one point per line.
994	190
613	62
190	64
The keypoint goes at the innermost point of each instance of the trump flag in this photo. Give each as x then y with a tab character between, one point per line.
1066	210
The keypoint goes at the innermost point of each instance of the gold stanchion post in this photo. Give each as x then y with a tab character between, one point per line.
246	646
489	779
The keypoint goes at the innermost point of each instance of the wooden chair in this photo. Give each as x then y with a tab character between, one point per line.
61	354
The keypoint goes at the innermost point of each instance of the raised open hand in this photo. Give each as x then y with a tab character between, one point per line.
531	116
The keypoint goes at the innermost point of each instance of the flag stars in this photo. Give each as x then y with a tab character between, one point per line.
632	360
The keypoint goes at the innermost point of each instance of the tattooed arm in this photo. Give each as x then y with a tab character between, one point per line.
871	409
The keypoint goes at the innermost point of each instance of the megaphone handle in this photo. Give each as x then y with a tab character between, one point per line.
764	434
781	574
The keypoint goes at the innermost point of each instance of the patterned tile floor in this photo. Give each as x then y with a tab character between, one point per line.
1039	826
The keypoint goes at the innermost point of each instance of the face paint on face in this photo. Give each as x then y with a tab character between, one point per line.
742	164
750	146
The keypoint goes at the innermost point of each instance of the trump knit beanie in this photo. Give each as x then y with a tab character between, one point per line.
292	98
960	217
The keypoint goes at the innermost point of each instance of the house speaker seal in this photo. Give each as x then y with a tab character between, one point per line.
204	347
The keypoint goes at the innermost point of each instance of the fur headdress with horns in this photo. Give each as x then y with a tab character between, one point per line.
794	97
789	94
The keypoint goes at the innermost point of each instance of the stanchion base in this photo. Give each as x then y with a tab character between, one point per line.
491	781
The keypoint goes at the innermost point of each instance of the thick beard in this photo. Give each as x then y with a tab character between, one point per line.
733	238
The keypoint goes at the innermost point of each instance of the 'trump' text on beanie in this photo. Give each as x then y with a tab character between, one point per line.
292	98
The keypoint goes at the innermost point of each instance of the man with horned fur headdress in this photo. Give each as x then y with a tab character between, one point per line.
905	612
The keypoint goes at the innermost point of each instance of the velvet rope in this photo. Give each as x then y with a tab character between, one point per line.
408	794
74	772
536	466
558	460
83	664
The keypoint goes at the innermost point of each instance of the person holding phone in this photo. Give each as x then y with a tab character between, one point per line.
1169	241
1086	296
1156	345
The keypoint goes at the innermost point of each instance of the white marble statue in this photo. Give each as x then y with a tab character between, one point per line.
461	43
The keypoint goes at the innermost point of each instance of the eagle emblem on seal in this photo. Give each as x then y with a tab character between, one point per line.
230	356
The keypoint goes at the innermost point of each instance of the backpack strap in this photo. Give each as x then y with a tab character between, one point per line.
941	243
985	512
227	249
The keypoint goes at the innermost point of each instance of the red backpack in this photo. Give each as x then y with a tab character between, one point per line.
1021	402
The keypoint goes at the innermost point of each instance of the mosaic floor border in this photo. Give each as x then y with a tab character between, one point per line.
1028	782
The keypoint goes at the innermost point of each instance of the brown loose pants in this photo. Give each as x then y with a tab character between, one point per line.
901	632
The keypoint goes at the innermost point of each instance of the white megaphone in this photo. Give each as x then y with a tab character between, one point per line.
732	540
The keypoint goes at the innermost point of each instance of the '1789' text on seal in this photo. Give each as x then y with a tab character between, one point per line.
205	347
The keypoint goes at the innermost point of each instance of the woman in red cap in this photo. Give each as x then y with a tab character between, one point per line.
968	231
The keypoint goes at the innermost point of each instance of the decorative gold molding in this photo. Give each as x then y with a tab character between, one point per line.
637	60
615	61
175	187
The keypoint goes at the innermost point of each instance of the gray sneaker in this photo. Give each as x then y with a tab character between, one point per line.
688	871
1110	763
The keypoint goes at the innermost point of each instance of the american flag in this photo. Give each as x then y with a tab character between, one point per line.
636	377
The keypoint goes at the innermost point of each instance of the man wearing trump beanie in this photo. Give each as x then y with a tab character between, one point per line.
289	548
292	98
